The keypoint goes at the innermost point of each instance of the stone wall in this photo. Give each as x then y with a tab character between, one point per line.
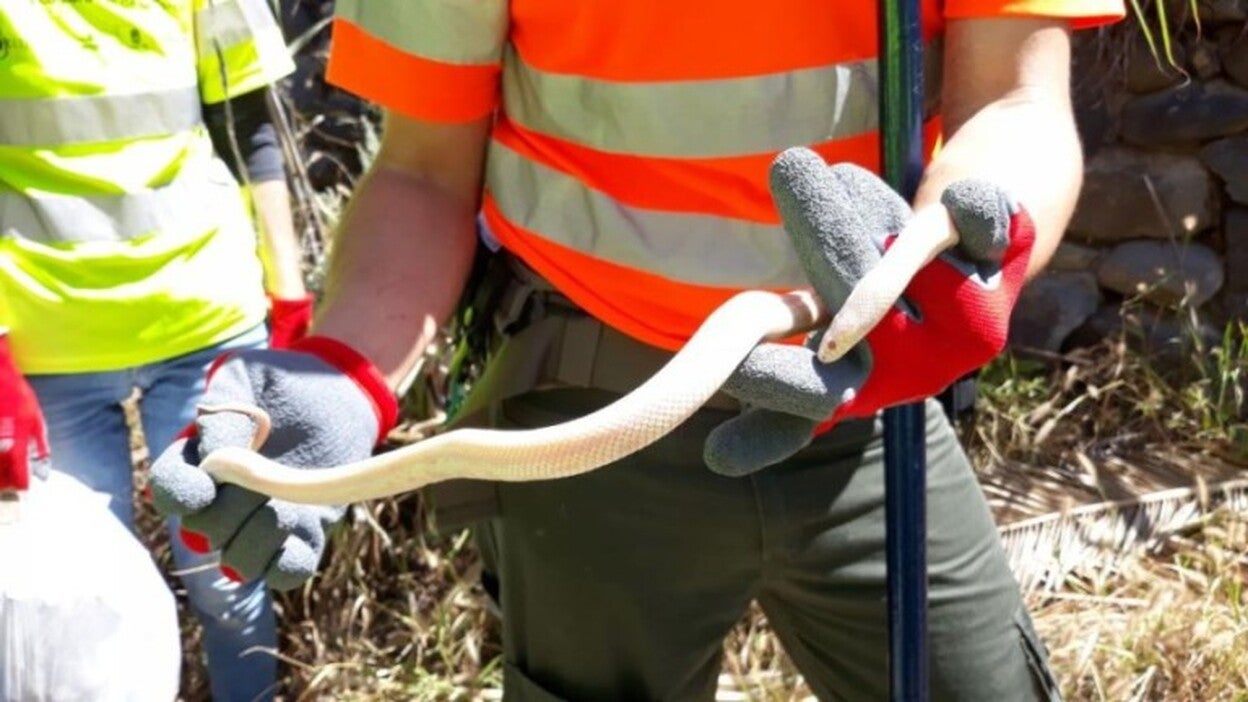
1161	228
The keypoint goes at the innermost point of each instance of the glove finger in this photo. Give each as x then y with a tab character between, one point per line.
255	545
14	466
300	553
259	541
791	379
222	429
295	563
981	212
230	385
221	520
821	210
881	209
39	465
755	439
178	485
39	444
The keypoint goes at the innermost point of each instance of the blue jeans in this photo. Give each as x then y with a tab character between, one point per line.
90	441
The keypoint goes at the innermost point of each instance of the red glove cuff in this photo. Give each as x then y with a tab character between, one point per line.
289	320
21	424
352	364
362	371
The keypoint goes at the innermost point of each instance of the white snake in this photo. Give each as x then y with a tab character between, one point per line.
621	428
624	427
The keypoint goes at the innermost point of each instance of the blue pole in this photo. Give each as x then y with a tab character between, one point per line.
905	453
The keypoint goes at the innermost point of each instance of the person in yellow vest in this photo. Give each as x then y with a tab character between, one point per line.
129	255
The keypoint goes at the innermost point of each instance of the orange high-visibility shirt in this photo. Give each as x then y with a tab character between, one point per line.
629	159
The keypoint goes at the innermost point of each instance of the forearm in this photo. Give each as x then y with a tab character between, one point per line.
1043	170
279	246
400	260
1025	141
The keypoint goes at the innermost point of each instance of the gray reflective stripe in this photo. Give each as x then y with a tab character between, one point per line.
694	248
197	201
97	118
451	31
752	115
226	23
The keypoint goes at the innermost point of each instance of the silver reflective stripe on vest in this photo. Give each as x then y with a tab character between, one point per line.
98	118
753	115
226	23
450	31
192	204
693	248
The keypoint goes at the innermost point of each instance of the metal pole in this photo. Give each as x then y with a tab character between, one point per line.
905	459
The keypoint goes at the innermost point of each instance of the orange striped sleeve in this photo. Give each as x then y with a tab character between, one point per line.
415	86
1081	13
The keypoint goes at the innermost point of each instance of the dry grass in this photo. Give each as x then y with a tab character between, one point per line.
1145	608
1166	625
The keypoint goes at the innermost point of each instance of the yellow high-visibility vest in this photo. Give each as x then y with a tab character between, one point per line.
124	239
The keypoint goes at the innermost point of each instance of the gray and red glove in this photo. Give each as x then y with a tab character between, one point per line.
23	437
289	319
953	318
328	404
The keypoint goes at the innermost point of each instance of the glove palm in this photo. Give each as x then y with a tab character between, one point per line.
320	416
952	318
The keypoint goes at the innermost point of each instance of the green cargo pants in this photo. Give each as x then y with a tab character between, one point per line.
622	583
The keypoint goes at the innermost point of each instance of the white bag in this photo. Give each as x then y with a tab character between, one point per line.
84	613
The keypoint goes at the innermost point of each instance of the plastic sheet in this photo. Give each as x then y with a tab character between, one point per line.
84	612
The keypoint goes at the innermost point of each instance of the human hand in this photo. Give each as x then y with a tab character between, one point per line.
952	318
23	437
328	405
289	319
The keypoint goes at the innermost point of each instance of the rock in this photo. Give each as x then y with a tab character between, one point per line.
1190	113
1211	12
1204	60
1117	203
1051	307
1235	60
1217	11
1235	306
1091	94
1235	292
1235	231
1145	73
1159	332
1070	256
1162	272
1229	159
1095	126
